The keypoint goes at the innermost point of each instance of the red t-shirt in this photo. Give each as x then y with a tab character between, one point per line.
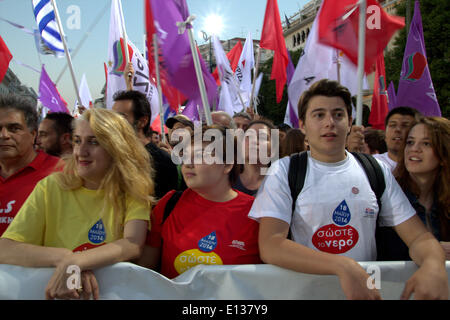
15	189
199	231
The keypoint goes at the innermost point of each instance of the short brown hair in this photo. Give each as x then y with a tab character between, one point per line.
237	168
327	88
375	140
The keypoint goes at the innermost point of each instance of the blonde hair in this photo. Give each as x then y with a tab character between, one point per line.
130	173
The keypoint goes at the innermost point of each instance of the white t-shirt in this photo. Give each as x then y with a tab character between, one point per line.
385	158
336	211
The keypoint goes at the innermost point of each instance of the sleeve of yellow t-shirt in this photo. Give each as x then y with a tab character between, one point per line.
29	223
137	210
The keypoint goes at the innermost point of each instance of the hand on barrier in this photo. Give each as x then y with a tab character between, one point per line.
354	283
89	286
427	283
58	288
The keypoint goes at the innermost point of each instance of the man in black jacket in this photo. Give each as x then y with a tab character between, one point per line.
134	106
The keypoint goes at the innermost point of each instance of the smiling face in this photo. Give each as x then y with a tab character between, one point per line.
16	139
92	160
396	131
326	127
420	157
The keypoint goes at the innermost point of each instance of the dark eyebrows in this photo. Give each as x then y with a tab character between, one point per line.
319	109
12	124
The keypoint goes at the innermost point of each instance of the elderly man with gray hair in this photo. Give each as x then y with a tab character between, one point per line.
21	167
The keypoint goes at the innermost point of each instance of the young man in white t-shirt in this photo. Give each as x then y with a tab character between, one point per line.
335	216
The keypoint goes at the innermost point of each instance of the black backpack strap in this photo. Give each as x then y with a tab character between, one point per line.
296	177
374	174
170	205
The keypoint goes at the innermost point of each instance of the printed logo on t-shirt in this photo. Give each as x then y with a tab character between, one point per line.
237	244
342	215
337	238
97	233
208	243
369	213
190	258
8	208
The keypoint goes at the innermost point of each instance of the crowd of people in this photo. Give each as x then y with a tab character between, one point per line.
105	188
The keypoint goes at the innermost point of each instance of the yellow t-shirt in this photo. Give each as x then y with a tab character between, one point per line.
53	217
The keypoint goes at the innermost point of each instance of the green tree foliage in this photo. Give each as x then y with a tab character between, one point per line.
268	106
436	30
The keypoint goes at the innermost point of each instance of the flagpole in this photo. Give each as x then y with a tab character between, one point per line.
338	66
66	50
237	90
361	53
125	39
255	75
198	71
158	84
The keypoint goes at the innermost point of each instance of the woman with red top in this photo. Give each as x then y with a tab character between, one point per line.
209	223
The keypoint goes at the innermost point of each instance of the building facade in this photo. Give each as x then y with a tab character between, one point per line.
207	51
12	84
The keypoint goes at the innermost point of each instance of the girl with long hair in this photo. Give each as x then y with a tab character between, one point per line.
92	214
423	172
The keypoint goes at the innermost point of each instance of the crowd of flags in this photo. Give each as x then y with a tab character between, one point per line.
331	51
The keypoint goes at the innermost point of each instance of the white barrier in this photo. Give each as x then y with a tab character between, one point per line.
251	282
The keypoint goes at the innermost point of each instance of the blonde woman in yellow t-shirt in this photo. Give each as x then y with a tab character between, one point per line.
92	214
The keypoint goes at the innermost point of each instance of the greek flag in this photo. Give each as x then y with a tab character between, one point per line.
45	18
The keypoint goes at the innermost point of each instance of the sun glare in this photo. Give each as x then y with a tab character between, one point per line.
213	24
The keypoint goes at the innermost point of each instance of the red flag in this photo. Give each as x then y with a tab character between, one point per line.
233	57
339	28
173	96
156	125
379	108
5	58
272	39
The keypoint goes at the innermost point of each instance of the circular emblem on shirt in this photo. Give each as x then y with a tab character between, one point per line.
355	190
334	239
190	258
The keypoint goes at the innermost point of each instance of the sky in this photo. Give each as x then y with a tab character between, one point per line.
238	17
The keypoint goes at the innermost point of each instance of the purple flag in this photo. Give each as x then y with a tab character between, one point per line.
176	51
415	88
291	116
392	97
49	95
183	8
191	111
